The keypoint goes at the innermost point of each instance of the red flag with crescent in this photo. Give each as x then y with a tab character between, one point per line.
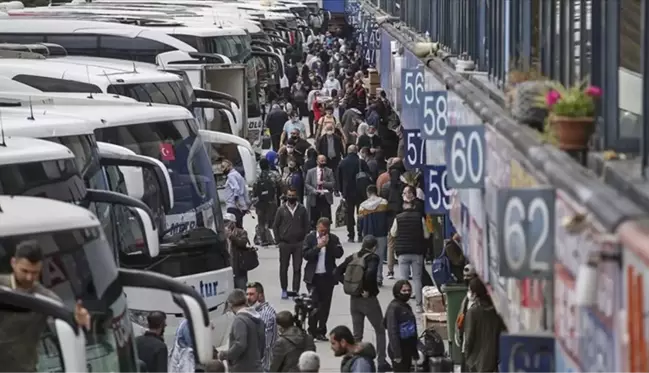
167	152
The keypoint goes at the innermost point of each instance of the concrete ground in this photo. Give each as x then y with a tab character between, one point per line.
267	274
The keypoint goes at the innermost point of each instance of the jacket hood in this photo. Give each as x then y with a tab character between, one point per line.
251	313
367	350
372	203
296	336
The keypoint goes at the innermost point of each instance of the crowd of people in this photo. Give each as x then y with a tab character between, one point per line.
349	149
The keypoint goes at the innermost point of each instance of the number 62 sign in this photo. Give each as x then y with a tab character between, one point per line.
526	232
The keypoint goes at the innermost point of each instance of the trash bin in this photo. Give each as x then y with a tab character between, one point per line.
454	294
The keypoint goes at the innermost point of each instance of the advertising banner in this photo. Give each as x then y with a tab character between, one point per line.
585	335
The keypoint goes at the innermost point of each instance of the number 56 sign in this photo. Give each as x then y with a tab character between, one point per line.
526	232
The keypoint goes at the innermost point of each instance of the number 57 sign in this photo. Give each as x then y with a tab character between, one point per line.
526	230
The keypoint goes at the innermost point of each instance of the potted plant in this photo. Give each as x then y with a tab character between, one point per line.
572	113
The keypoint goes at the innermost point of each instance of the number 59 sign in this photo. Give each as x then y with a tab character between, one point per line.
526	232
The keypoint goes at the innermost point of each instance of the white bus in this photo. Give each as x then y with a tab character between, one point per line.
79	266
193	248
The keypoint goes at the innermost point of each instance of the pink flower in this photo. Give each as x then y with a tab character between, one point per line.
552	97
593	91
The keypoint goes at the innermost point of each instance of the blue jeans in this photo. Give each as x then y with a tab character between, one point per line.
412	263
381	251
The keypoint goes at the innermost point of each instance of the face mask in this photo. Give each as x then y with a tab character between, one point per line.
331	78
404	297
292	200
407	198
289	150
370	134
329	132
322	165
295	137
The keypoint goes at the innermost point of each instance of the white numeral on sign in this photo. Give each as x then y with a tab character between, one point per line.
435	115
439	194
462	162
515	234
415	153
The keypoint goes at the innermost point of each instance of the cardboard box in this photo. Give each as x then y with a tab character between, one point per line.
437	321
373	76
433	300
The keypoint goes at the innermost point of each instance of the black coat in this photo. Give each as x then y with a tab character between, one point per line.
152	350
275	121
291	73
366	141
322	146
347	171
310	252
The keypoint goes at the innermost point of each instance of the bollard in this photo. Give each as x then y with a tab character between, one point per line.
454	294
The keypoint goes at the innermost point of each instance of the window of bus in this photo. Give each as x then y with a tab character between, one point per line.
76	45
59	180
132	49
171	93
76	267
46	84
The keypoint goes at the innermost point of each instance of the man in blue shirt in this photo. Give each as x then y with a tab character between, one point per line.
237	201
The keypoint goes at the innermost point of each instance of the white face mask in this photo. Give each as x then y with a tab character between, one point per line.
329	132
289	150
470	295
370	134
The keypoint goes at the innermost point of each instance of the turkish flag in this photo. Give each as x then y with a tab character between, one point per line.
167	152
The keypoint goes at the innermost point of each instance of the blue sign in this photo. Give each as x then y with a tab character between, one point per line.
465	156
434	115
449	229
526	353
415	149
526	232
412	87
438	195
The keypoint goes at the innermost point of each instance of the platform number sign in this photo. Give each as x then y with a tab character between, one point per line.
415	149
376	36
526	232
412	87
465	156
434	115
438	194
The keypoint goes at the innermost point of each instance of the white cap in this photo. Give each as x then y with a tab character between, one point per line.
469	270
229	217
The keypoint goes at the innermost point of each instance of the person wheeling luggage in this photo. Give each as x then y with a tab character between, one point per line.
401	325
358	274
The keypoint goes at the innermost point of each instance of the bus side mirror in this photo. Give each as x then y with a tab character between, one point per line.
137	180
135	221
183	295
72	340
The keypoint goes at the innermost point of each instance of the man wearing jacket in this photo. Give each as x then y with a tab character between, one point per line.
321	250
373	220
367	304
247	336
292	342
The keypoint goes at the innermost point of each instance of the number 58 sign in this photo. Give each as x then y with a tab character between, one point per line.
526	232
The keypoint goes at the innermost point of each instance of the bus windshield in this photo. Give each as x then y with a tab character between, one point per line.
235	47
171	93
176	143
57	179
86	158
78	265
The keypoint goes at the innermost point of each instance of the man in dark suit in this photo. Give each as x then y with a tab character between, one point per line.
353	178
321	249
319	184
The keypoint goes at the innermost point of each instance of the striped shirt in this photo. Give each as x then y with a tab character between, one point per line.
268	315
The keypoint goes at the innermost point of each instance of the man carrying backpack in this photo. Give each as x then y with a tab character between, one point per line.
264	191
358	274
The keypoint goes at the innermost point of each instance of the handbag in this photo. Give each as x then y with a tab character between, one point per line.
248	258
341	214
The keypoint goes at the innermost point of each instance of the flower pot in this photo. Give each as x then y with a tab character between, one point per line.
573	133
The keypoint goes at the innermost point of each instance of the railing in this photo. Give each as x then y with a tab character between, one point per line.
565	40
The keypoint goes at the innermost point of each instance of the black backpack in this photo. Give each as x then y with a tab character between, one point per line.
432	343
265	189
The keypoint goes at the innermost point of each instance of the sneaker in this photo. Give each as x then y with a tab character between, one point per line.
284	294
350	240
379	283
391	275
419	309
